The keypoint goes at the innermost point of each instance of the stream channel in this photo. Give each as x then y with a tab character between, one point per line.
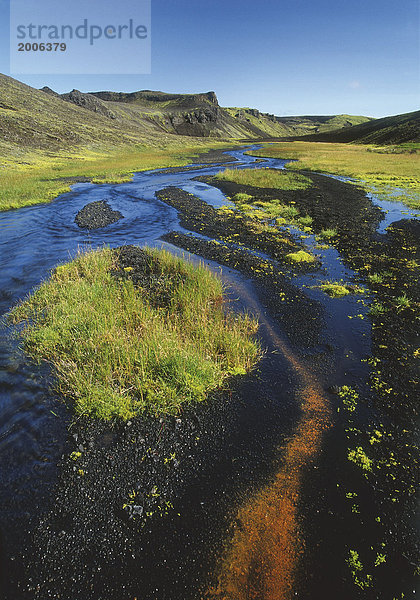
254	453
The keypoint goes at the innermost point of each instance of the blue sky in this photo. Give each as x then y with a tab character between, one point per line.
283	57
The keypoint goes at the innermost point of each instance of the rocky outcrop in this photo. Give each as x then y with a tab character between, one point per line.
199	122
149	97
89	102
48	90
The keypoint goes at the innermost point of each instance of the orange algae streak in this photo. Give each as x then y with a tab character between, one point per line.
263	554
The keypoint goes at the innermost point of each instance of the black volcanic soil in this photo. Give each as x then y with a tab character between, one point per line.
198	216
97	214
390	398
345	208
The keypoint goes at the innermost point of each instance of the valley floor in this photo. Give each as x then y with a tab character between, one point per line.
299	479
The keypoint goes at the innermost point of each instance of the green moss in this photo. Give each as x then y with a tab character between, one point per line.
301	257
335	290
239	198
349	397
339	289
328	234
356	568
360	458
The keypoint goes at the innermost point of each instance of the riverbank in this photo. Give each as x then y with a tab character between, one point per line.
38	177
392	173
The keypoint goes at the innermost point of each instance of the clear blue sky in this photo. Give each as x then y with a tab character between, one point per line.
280	56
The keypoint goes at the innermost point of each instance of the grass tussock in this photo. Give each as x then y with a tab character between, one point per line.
266	178
119	350
376	171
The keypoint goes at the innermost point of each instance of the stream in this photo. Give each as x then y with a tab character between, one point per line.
33	421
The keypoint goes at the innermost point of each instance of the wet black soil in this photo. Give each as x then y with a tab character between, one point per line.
210	157
97	214
214	156
345	208
385	507
235	228
331	203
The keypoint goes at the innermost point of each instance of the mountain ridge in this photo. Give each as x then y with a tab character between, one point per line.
47	120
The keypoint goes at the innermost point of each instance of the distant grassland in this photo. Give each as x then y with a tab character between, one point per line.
266	178
36	177
379	169
119	350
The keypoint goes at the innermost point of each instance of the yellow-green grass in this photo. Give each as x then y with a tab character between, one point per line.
375	170
266	178
36	177
300	257
117	351
269	210
339	289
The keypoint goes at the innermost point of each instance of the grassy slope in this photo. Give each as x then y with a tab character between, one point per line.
376	169
163	353
396	129
288	126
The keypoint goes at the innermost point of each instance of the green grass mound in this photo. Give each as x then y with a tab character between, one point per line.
328	234
301	257
119	349
335	290
266	178
241	197
339	289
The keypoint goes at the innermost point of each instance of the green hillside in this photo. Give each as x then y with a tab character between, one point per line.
398	129
48	121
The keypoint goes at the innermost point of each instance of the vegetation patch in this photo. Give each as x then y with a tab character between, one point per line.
327	234
300	257
339	289
266	178
273	210
373	169
151	339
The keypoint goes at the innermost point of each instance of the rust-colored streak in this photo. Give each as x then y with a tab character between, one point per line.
262	556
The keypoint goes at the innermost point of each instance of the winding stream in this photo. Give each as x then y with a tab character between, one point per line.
33	422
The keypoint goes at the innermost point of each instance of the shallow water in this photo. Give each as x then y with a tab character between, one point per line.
34	240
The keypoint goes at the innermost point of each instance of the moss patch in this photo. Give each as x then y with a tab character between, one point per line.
301	257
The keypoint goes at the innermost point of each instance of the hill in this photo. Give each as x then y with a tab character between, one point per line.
398	129
46	120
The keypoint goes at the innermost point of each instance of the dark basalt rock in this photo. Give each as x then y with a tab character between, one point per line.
97	214
89	102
